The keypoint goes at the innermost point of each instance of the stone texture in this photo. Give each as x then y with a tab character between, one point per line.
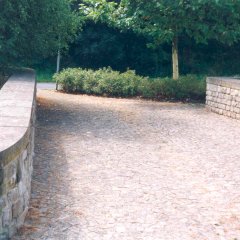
17	114
223	96
122	169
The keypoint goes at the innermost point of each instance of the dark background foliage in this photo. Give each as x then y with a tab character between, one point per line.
98	45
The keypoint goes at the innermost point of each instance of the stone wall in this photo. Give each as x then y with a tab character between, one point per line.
17	116
223	96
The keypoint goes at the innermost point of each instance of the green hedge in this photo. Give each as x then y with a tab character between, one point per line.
106	82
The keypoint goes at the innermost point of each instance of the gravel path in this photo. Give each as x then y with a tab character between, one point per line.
122	169
46	86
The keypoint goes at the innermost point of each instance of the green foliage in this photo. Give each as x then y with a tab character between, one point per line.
91	81
71	80
45	75
107	82
104	81
98	45
113	83
188	87
165	21
31	29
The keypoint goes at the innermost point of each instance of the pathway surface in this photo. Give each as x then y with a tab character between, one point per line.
117	169
46	86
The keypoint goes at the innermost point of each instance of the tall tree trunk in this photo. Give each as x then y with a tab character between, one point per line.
58	65
175	58
58	61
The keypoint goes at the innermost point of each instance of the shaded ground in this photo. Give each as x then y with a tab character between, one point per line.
3	79
130	169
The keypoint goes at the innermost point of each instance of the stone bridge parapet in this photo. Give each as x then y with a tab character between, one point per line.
17	117
223	96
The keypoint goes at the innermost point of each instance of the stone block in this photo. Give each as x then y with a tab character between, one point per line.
224	90
10	175
4	234
221	95
228	97
212	87
224	101
12	229
236	110
24	154
234	92
228	102
224	112
208	93
214	94
219	88
13	195
26	198
221	106
17	208
22	217
209	98
238	116
6	216
22	188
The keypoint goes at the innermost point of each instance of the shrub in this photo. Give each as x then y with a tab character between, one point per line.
70	79
113	83
189	87
90	82
107	82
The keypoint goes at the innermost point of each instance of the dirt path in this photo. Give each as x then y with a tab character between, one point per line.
122	169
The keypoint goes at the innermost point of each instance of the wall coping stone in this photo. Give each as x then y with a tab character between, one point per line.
228	82
16	105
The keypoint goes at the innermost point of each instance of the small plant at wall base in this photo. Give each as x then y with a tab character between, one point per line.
107	82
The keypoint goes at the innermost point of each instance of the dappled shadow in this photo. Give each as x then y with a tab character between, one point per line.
49	187
99	159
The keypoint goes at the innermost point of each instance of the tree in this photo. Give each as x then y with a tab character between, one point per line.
99	45
168	20
32	29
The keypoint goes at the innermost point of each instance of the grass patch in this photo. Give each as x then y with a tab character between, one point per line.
106	82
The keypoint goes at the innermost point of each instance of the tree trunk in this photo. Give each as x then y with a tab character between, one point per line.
175	58
58	61
58	65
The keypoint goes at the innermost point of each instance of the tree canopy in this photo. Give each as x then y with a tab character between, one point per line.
31	29
168	20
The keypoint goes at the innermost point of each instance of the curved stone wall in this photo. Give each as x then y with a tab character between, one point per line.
223	96
17	116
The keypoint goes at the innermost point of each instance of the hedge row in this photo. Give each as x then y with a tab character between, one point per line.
106	82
